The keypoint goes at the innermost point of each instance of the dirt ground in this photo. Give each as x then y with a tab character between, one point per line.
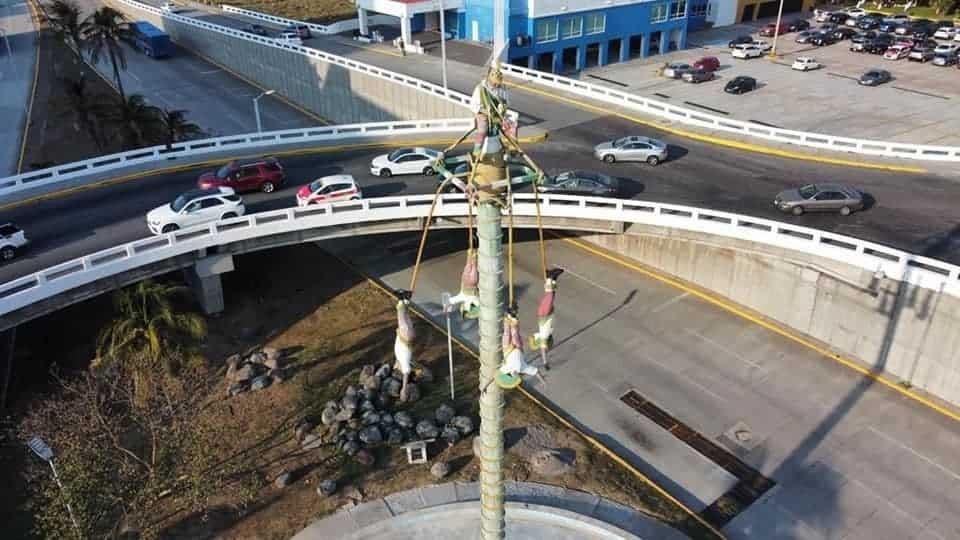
330	322
316	11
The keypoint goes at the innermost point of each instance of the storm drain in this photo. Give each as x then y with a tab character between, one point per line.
751	484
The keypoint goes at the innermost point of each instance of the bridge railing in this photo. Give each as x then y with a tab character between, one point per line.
333	28
60	174
718	123
895	264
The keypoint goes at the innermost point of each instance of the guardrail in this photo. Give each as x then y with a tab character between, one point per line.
697	118
396	78
895	264
62	173
334	28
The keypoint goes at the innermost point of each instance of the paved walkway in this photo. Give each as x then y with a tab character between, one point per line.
452	510
18	56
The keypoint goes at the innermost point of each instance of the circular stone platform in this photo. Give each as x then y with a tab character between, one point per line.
445	511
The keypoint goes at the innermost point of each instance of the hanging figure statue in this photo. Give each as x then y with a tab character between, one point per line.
514	362
469	297
543	338
403	345
489	101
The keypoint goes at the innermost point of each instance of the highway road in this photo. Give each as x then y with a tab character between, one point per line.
18	56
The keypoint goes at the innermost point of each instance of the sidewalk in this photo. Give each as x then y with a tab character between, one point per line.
17	65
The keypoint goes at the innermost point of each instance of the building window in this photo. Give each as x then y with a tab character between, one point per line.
571	28
658	13
596	23
546	31
699	10
678	10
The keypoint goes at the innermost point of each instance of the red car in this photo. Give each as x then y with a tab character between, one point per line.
707	63
257	175
771	28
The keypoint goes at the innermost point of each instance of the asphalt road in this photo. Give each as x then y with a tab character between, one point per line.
17	59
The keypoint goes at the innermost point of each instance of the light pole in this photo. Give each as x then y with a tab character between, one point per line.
256	107
776	31
45	453
447	308
443	46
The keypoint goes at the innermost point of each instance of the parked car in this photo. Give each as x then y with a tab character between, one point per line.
581	183
12	241
907	28
707	63
841	34
889	25
921	54
957	37
875	77
195	208
838	18
823	38
864	35
255	29
897	52
946	48
289	38
798	25
698	76
868	23
945	32
740	85
771	29
302	30
516	167
632	149
255	175
944	59
805	36
819	198
823	15
762	45
856	13
827	27
404	161
879	45
172	7
805	63
675	70
739	40
747	51
899	17
339	187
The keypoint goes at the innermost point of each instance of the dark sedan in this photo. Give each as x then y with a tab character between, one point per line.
841	34
739	40
798	25
868	23
875	77
698	76
740	85
581	183
255	29
823	39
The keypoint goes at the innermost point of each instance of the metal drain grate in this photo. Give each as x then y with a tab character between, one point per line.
751	485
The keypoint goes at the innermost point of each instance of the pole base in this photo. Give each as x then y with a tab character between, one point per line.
507	381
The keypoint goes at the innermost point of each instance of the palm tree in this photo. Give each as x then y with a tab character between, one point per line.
85	109
137	121
176	127
65	17
148	333
103	30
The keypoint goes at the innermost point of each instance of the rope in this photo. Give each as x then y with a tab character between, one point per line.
423	236
543	247
510	243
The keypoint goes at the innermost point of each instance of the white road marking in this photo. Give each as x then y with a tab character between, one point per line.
894	441
669	303
131	74
722	348
588	280
209	72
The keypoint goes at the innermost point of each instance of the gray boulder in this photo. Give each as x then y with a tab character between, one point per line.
383	371
351	390
329	415
344	414
234	361
283	480
327	488
355	423
395	436
244	373
427	429
412	393
383	401
257	358
450	434
424	375
350	401
440	469
370	418
261	382
277	375
371	435
386	419
237	388
368	379
350	448
368	394
403	419
363	457
391	387
332	404
272	353
463	424
367	405
311	442
444	414
302	429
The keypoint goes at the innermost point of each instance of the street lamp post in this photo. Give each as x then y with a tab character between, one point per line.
776	31
256	108
45	453
443	46
445	299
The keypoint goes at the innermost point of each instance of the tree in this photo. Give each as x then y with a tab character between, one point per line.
176	127
149	334
943	7
103	30
85	108
65	17
137	121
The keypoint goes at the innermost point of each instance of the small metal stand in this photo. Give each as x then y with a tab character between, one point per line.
417	451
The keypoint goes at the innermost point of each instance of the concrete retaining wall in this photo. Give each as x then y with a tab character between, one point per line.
333	92
911	333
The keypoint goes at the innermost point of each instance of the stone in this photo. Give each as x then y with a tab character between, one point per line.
328	416
427	429
236	388
349	434
351	390
368	394
423	375
302	429
383	401
271	363
363	457
355	423
371	435
332	404
367	406
332	432
391	387
370	418
283	480
244	373
327	488
440	469
277	375
311	442
412	394
344	414
549	463
463	424
444	414
476	446
368	379
403	419
386	419
354	494
383	371
257	358
395	436
260	382
272	353
350	401
450	434
350	448
233	361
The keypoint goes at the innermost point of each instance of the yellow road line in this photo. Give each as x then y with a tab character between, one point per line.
559	417
187	166
749	147
33	88
773	327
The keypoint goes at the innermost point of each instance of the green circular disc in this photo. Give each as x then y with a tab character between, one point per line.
507	381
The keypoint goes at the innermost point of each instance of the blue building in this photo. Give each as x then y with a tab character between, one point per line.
557	35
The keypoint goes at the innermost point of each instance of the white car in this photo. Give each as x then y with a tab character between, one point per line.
946	48
12	239
747	51
405	161
823	15
947	32
762	45
195	208
805	63
290	37
171	7
339	187
856	13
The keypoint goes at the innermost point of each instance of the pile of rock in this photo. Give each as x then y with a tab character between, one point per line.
255	372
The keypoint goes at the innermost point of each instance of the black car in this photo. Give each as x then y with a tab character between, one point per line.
878	45
798	25
888	25
868	23
875	77
739	40
861	37
740	85
841	34
920	53
838	18
516	167
581	183
824	38
255	29
698	76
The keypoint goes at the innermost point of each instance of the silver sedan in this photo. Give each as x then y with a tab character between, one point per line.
632	149
819	198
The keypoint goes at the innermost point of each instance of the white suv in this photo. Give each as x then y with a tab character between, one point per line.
12	239
195	208
747	51
404	161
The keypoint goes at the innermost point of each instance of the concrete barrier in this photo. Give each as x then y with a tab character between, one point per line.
894	326
318	82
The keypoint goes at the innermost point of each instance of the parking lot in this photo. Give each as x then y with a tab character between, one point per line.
917	106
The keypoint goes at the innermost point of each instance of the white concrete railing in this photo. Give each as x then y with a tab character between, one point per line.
62	173
895	264
395	78
697	118
333	28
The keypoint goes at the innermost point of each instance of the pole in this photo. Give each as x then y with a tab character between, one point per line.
256	113
776	31
443	46
447	307
56	478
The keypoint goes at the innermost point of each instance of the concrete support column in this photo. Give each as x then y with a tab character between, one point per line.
405	34
604	52
362	16
581	57
204	279
665	42
625	48
532	61
644	45
558	61
682	40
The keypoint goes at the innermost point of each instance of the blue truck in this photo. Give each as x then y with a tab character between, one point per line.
150	39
